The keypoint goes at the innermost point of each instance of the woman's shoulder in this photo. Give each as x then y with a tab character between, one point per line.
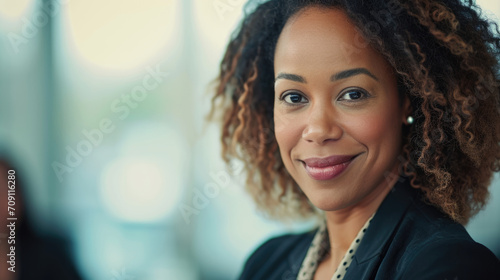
453	258
277	255
415	240
437	246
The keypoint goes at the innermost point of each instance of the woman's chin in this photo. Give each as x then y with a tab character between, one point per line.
327	203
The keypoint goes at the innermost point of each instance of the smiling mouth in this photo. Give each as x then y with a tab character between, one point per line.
327	168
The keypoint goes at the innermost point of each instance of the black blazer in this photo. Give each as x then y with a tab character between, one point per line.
407	239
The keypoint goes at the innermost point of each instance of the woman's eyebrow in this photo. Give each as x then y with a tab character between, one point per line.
338	76
291	77
352	72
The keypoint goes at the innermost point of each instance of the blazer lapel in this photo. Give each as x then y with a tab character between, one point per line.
381	229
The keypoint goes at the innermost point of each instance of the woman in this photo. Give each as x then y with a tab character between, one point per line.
382	118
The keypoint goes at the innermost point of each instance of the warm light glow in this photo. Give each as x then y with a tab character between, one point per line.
13	9
215	20
492	8
146	181
121	35
136	190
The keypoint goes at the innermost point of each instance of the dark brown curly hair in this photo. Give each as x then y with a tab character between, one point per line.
446	59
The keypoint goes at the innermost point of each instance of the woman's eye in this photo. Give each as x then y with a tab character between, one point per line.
294	98
353	94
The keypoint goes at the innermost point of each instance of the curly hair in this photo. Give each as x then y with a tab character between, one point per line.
445	56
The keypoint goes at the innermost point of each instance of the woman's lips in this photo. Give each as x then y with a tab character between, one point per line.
327	168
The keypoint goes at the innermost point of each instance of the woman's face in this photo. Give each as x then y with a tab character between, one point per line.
337	114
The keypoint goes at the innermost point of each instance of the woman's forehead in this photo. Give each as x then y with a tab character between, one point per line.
319	39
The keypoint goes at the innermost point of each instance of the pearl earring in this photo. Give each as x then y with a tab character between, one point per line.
409	120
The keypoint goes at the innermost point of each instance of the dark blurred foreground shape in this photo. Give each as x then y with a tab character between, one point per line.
37	257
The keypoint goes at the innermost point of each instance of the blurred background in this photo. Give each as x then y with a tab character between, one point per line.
102	106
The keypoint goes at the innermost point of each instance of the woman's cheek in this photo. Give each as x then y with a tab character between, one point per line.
378	124
287	130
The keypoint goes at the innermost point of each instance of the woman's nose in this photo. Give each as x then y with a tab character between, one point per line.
322	126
